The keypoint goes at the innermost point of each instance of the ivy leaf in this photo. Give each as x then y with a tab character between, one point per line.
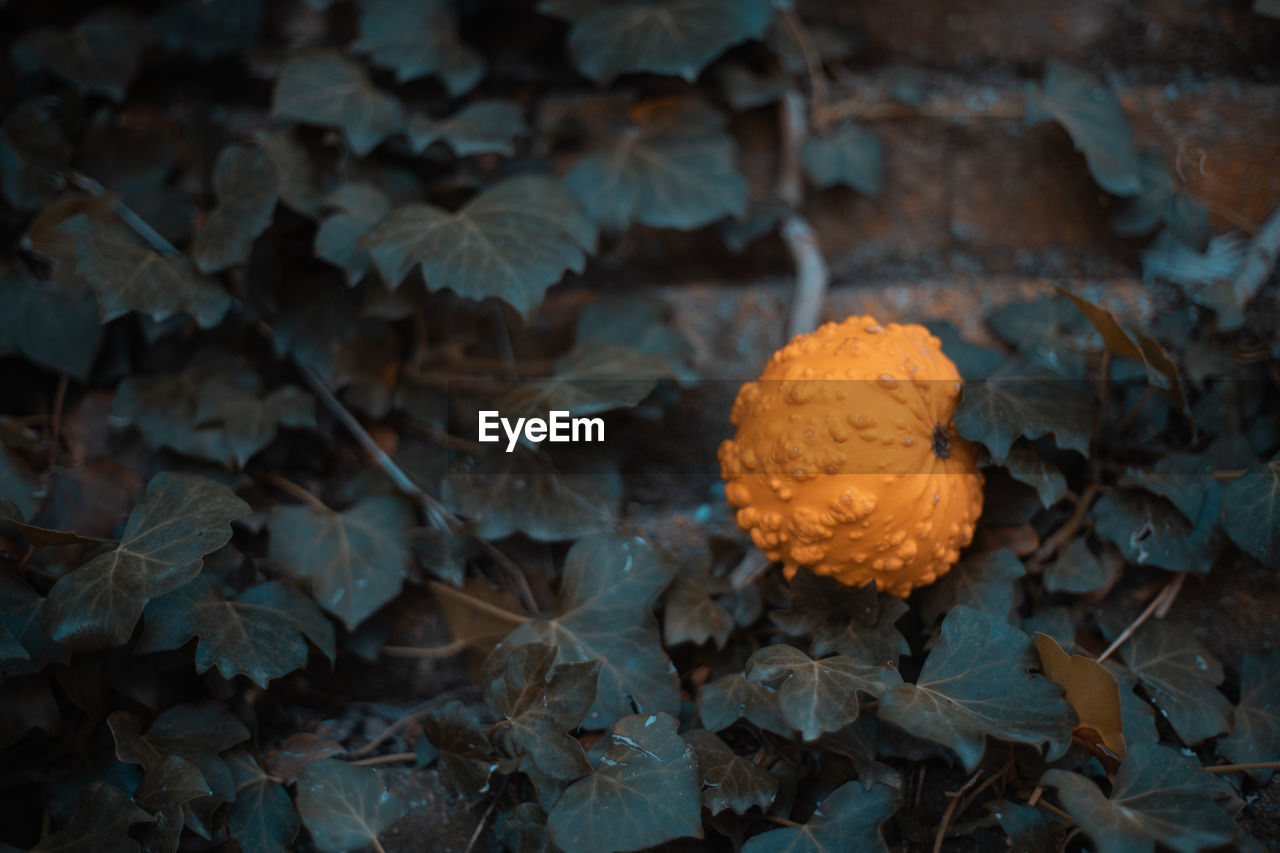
1076	570
355	561
1206	277
1026	827
34	151
244	180
1027	466
246	421
723	702
360	206
22	616
261	633
676	37
295	175
457	738
526	493
1139	716
512	241
130	276
848	156
730	781
180	518
418	39
857	623
54	325
978	682
818	696
1052	334
973	361
1091	691
1160	200
196	732
263	816
1092	114
523	829
343	806
674	169
1251	512
591	378
1022	399
1255	737
324	88
645	791
1149	530
206	29
484	127
100	824
99	55
538	704
1158	796
168	786
604	612
744	89
986	581
691	615
847	820
1181	676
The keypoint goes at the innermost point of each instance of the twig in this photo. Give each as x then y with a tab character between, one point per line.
480	604
55	428
1249	765
940	108
797	233
484	818
1259	260
1073	524
812	62
1169	592
133	220
434	652
386	733
389	758
987	783
376	844
291	488
1050	807
951	811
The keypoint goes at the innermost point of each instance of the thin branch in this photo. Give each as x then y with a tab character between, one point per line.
133	220
376	844
864	109
479	604
290	488
435	652
800	238
1050	807
812	62
1259	260
987	783
389	758
1170	590
951	811
59	397
1073	524
1249	765
484	818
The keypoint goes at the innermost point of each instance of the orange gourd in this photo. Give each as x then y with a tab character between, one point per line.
846	459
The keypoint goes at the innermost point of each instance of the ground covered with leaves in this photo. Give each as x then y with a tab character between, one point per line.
261	588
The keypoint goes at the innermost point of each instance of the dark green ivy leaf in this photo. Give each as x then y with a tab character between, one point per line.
675	169
723	702
100	824
537	705
1027	466
1158	796
526	493
34	152
244	181
1251	512
324	88
973	361
343	806
1026	827
986	581
1255	737
359	206
484	127
196	732
55	325
1076	570
1149	530
730	781
846	821
523	829
180	518
261	633
1092	114
295	175
645	791
1205	277
1180	675
818	696
168	786
263	817
604	612
22	616
1023	399
512	241
691	615
857	623
454	734
418	39
849	155
977	682
591	378
355	561
99	55
209	28
677	37
1161	200
131	276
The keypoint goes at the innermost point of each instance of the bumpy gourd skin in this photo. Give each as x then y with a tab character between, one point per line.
846	459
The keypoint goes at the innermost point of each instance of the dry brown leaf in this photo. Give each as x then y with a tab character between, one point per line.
1093	694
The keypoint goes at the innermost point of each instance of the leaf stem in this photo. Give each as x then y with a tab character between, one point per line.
952	806
291	488
389	758
133	220
434	652
59	397
480	604
1169	592
376	844
1248	765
